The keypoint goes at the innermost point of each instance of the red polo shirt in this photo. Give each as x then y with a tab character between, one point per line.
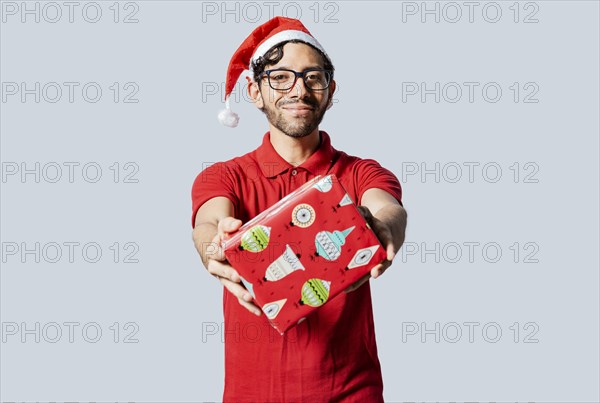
332	355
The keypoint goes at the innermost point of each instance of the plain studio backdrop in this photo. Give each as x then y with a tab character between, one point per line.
486	111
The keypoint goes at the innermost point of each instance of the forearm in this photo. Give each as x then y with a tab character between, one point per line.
394	216
203	235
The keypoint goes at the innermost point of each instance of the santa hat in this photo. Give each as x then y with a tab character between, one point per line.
263	38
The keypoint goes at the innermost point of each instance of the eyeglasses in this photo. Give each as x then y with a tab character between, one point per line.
284	79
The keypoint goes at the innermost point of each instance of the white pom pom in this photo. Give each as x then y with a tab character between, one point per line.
228	118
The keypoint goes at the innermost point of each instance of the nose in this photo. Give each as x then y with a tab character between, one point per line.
299	89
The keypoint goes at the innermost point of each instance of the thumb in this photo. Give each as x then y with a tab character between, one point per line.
228	224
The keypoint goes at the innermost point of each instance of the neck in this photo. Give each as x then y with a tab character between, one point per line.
295	150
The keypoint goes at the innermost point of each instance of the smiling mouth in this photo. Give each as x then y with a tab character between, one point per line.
299	112
298	108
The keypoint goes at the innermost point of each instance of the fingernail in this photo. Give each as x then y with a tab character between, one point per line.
247	297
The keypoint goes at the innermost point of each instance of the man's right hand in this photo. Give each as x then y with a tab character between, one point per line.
219	267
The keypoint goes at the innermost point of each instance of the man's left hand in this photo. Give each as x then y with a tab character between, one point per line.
384	234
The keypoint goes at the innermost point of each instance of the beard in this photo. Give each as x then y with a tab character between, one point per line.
296	127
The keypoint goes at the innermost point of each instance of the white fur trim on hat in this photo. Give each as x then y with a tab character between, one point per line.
282	37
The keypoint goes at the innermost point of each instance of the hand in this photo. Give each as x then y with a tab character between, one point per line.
219	267
384	234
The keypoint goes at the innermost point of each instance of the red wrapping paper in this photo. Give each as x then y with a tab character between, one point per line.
303	251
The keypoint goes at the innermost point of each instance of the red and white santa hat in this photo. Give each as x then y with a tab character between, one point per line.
271	33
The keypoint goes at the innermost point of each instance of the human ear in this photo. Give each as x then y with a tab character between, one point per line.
332	87
254	93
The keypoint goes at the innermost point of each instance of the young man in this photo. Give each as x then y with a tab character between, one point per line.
332	355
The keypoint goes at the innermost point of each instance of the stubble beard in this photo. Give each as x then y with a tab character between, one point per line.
295	127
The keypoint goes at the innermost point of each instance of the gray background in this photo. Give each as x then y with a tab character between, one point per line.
175	53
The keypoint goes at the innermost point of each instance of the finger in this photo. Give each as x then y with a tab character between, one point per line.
366	213
250	307
213	250
376	271
243	296
227	225
358	283
384	234
223	270
217	244
390	251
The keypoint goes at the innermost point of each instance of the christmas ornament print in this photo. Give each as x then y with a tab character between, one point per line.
272	309
362	257
256	238
284	265
329	244
315	292
303	215
324	185
346	200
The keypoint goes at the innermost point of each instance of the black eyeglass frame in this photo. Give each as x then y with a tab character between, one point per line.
328	75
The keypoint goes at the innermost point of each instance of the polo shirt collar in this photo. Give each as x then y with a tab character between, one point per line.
272	164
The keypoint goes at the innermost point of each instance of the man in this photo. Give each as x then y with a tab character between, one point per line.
332	355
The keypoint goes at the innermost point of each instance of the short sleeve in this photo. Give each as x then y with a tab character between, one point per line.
370	174
213	181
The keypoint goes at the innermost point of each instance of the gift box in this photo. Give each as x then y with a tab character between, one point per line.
303	251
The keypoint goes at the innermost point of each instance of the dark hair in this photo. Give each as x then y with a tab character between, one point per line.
275	54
